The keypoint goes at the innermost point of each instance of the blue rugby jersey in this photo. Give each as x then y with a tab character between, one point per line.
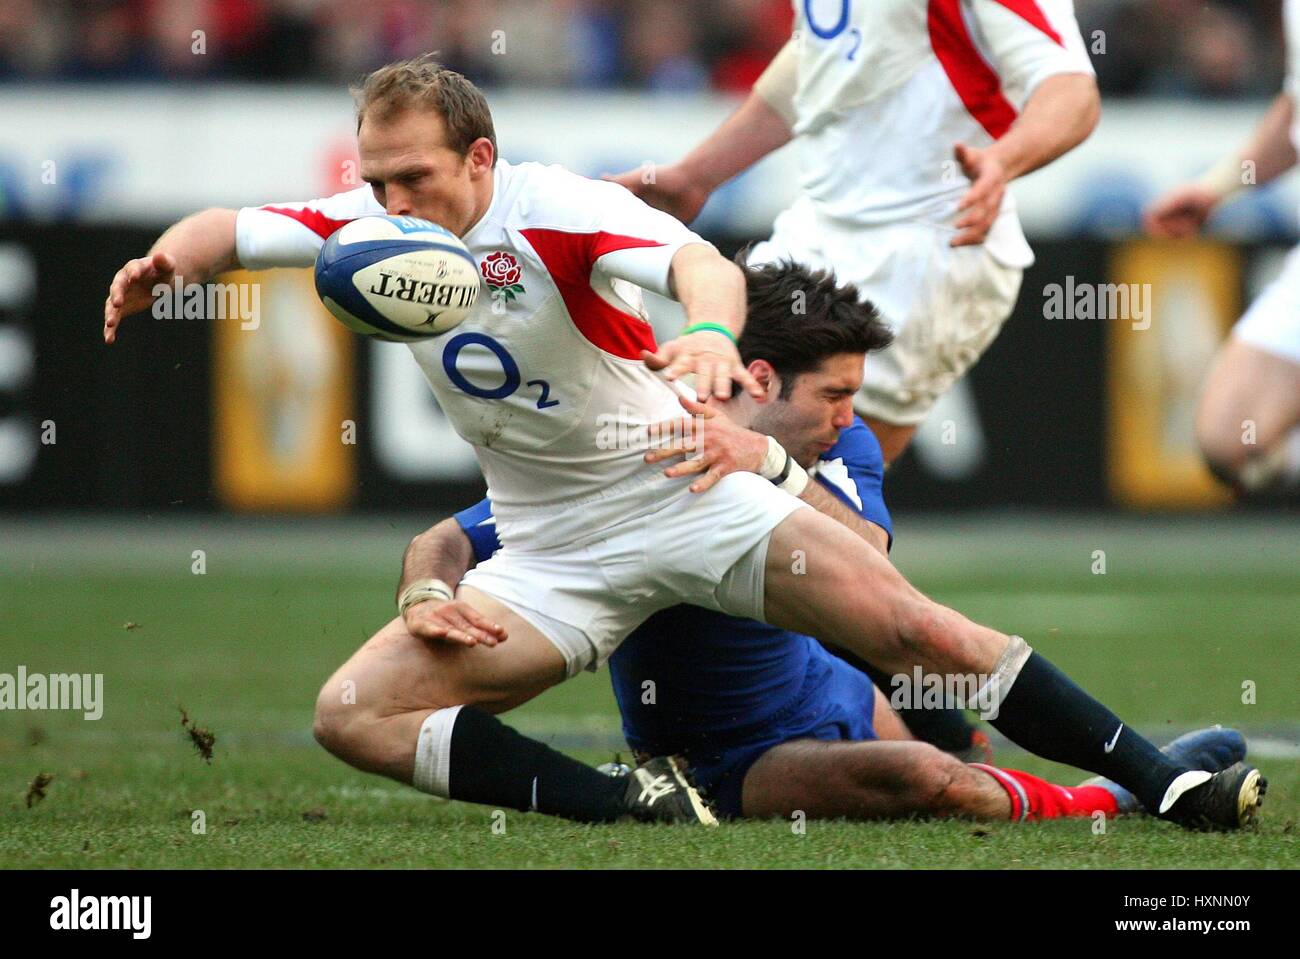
689	676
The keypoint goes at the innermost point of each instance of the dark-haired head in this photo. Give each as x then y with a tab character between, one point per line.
806	339
798	317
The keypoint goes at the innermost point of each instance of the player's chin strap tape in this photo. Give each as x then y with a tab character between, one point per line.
421	590
780	467
990	696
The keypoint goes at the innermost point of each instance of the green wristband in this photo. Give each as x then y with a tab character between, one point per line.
712	328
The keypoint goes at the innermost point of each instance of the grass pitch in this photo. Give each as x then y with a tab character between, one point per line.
1188	619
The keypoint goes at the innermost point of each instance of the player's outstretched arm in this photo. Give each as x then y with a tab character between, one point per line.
1060	114
443	555
1182	211
761	124
195	249
711	290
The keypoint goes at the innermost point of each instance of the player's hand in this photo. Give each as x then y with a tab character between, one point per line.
711	357
1179	213
666	188
132	289
979	207
720	445
452	621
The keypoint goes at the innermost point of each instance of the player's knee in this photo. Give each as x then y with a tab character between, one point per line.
1224	455
934	781
334	723
923	631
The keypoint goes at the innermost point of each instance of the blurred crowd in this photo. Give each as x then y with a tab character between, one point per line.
1187	48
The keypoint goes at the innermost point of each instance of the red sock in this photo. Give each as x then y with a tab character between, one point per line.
1034	798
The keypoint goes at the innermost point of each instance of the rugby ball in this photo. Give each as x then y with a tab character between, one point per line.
396	278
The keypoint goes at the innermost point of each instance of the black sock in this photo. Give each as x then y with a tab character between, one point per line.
1047	713
948	729
497	766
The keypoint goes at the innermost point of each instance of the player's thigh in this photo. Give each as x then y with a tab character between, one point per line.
857	780
823	580
395	673
1251	399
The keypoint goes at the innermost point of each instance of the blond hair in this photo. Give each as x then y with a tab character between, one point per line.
424	83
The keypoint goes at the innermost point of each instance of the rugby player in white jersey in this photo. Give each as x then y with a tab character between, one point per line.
1255	379
595	539
910	119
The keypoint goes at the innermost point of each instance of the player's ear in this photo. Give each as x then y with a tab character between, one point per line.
762	371
481	158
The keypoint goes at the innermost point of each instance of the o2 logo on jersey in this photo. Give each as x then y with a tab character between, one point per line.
510	369
830	33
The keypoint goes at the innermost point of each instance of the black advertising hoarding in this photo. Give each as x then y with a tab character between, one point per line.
292	414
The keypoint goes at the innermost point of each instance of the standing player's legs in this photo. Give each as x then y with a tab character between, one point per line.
1248	421
421	712
823	580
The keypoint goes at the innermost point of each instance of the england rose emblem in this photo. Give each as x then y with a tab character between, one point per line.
501	272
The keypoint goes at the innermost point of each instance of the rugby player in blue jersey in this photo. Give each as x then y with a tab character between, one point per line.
769	721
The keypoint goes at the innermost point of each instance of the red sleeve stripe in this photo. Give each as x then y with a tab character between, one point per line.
313	220
602	243
569	257
974	80
1031	13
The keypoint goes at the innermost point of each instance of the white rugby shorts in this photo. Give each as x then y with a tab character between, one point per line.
1272	322
704	549
944	304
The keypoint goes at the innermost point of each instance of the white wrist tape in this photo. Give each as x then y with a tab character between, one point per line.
773	460
422	590
796	482
780	468
1224	178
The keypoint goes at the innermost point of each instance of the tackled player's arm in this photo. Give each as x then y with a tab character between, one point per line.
203	245
434	562
195	249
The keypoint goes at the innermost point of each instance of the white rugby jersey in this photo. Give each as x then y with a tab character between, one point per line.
1291	21
545	376
887	87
